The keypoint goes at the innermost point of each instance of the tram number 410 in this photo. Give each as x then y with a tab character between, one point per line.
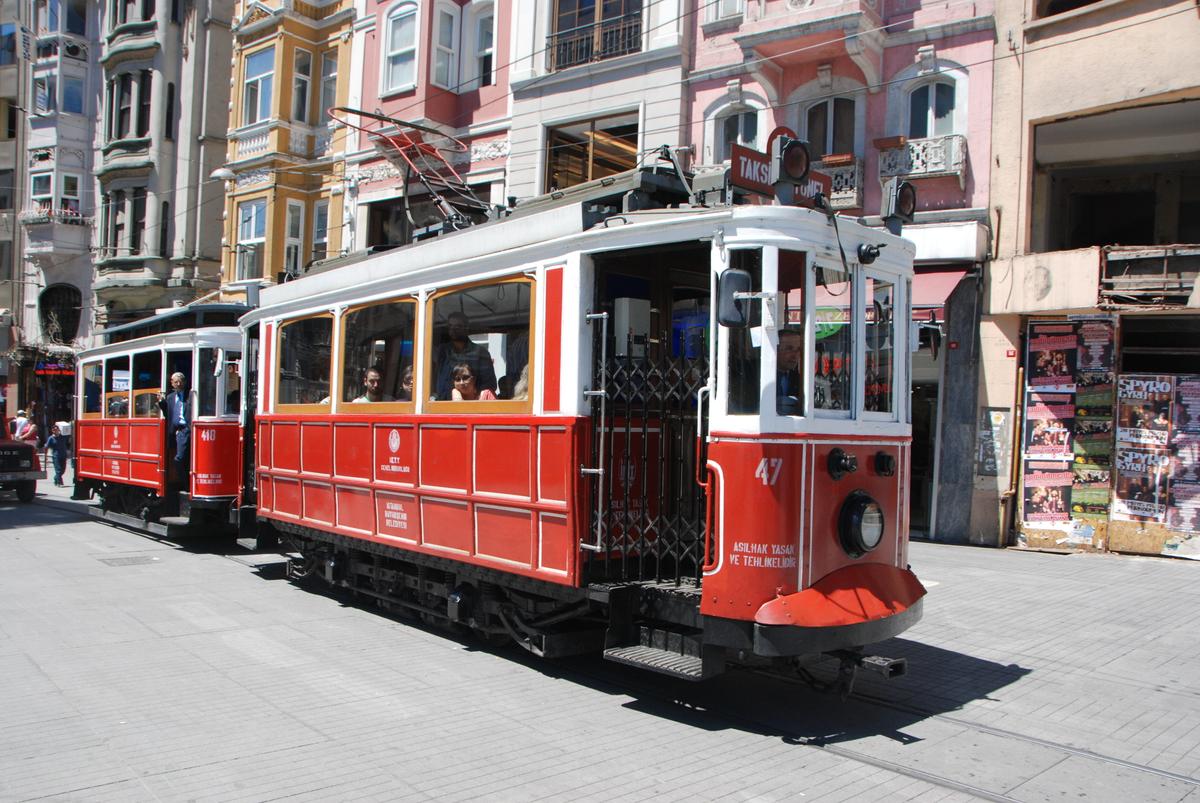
768	470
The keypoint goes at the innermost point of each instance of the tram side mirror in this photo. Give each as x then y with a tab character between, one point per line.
219	367
731	310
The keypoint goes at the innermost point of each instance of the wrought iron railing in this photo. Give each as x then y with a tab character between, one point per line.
651	522
617	36
846	178
931	157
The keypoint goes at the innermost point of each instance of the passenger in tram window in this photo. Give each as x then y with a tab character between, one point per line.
465	388
460	349
516	360
373	388
520	390
118	407
789	388
406	384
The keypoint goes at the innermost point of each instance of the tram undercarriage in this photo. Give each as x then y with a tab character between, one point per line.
646	624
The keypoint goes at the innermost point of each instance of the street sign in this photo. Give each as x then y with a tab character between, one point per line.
750	170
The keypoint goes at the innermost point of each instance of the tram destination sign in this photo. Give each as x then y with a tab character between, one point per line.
750	170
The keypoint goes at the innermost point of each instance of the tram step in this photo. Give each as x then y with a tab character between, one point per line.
173	521
685	667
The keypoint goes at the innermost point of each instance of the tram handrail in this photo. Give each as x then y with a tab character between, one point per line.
598	471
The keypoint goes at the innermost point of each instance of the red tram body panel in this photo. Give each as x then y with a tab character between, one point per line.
496	492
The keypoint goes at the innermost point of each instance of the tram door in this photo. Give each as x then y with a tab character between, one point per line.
651	358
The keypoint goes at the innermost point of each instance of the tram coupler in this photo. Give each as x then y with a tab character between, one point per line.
851	661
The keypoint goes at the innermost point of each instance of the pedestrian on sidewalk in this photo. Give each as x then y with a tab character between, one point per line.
58	447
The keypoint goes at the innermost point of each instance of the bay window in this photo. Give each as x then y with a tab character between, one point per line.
252	238
256	90
400	57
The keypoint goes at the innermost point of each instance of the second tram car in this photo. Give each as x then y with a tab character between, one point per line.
127	449
679	436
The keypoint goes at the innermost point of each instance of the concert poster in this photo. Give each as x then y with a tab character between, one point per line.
1144	409
1049	423
1052	355
1047	491
1141	490
1183	512
1095	355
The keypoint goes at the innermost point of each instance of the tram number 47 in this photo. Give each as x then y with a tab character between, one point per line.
768	470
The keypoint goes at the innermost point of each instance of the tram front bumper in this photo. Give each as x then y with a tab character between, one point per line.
851	607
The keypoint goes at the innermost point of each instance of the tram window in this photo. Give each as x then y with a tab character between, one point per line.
206	383
833	333
377	353
304	352
480	346
93	379
790	351
147	383
880	346
233	385
116	387
745	345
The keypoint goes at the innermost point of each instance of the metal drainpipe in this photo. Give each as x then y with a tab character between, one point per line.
1008	498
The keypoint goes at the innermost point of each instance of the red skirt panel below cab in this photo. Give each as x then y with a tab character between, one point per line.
216	459
495	491
775	507
122	450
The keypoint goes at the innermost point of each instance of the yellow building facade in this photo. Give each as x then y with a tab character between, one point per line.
285	163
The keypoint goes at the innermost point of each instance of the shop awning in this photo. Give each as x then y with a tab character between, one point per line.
930	291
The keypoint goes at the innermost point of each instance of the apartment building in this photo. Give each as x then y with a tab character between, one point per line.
1091	332
284	166
159	134
880	91
57	200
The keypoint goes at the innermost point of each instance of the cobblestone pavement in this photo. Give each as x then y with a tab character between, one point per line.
134	669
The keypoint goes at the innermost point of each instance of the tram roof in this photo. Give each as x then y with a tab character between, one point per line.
190	316
540	230
206	336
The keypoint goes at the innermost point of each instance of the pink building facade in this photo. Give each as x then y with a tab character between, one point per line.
444	66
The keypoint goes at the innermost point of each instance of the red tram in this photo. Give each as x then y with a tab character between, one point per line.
677	435
124	451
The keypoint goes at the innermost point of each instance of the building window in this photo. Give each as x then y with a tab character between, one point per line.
8	44
830	127
590	150
721	9
164	230
252	237
169	116
585	30
137	227
401	58
14	122
77	17
121	94
739	127
45	94
41	191
293	241
72	95
320	230
116	218
145	84
445	48
329	67
69	200
301	85
260	70
484	48
7	191
931	110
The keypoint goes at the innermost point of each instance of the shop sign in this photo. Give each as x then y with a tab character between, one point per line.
54	369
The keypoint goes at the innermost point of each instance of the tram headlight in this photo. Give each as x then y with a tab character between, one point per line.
860	524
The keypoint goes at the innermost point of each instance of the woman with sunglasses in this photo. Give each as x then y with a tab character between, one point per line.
464	385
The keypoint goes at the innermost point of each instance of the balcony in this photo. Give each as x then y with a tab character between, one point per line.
608	39
69	217
933	157
1149	275
846	174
